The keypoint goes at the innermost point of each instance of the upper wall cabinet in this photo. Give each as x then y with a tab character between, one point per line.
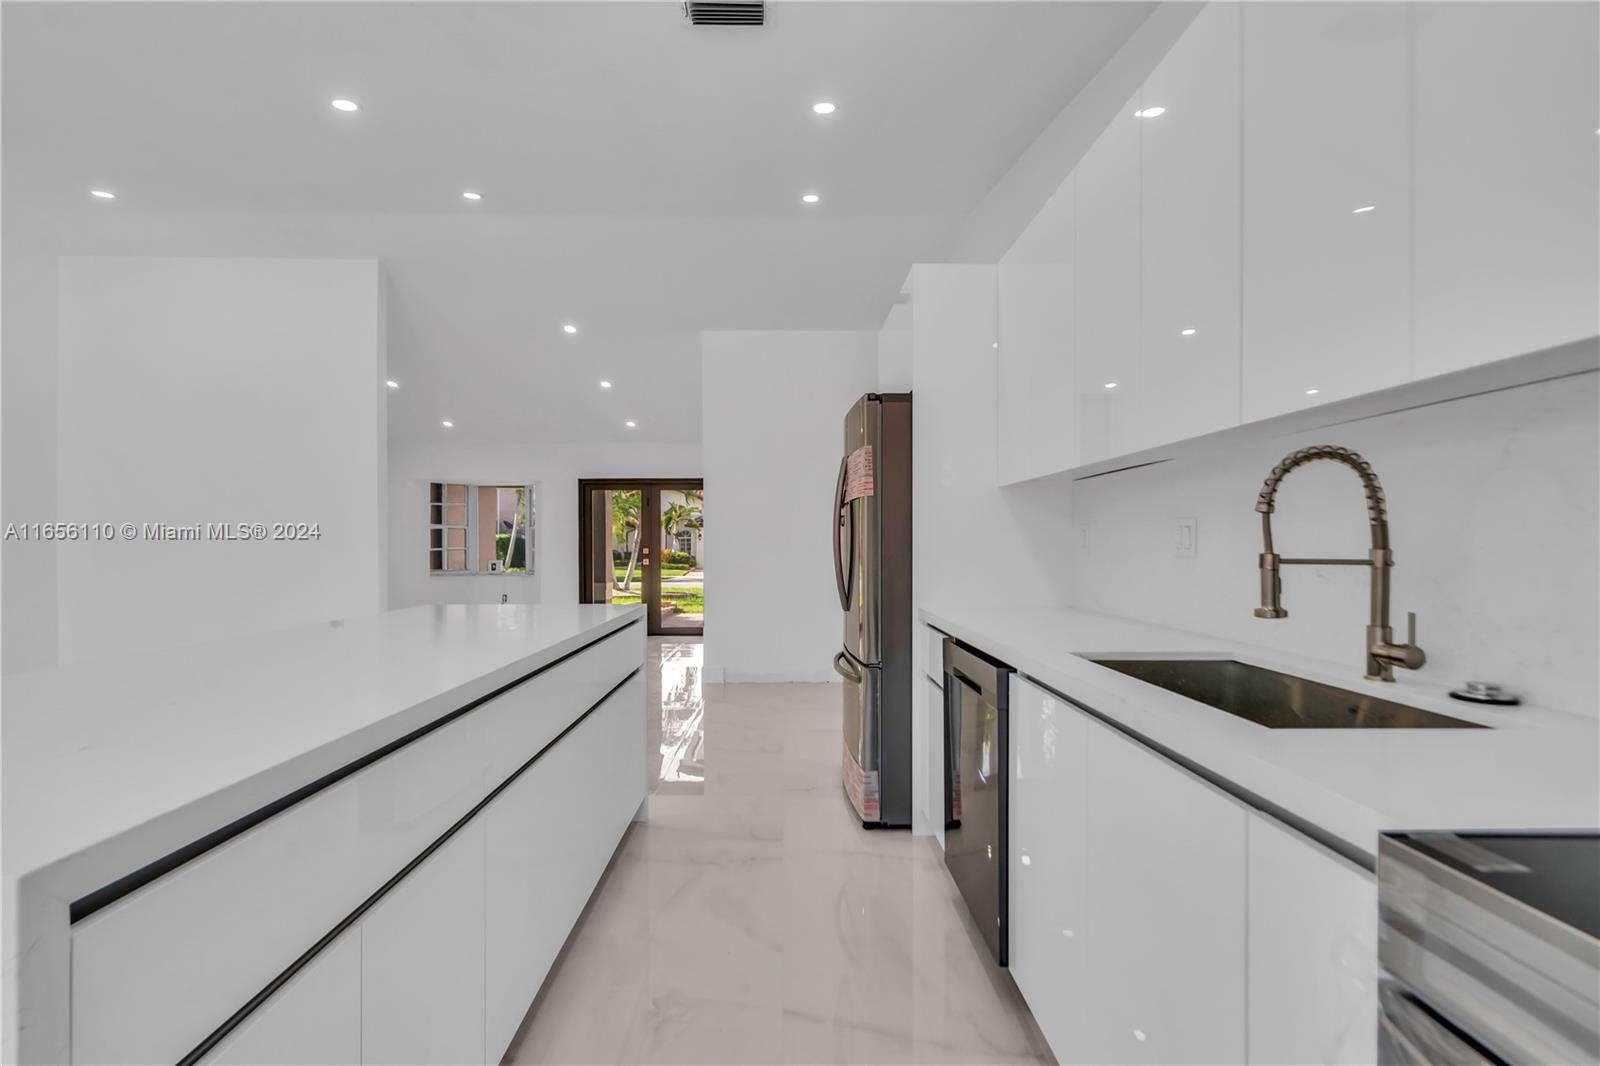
1037	353
1109	381
1506	179
1327	220
1190	271
1307	203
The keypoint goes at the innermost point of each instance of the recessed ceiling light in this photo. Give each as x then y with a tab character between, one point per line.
605	384
472	195
1312	392
1149	112
103	194
447	424
823	107
810	198
1365	209
346	105
996	344
569	328
392	383
630	423
1111	384
1187	332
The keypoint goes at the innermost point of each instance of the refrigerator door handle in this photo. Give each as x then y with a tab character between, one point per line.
843	571
846	669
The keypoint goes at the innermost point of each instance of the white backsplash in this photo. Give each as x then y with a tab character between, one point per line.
1494	512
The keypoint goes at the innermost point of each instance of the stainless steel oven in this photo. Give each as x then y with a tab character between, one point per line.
1490	948
977	745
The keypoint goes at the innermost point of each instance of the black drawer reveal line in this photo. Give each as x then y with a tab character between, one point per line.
206	1046
86	905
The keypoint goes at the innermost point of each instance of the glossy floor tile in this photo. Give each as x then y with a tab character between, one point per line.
752	920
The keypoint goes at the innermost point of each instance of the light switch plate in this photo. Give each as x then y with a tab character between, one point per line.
1188	538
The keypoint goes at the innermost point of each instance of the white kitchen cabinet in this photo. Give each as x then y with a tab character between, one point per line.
1048	916
1313	952
314	1019
1189	170
550	835
1165	910
1109	377
1036	361
1326	211
1506	179
156	972
422	960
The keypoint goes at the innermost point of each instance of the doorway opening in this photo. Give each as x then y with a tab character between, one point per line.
642	540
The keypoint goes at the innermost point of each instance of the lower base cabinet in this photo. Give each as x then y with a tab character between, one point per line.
422	960
1165	910
313	1020
1157	919
550	836
444	967
1313	952
1049	823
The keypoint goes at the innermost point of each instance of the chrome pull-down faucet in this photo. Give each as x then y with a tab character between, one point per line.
1383	654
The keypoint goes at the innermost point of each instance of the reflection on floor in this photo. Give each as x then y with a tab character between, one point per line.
753	920
678	753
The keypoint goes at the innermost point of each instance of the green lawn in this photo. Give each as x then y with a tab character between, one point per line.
688	600
666	572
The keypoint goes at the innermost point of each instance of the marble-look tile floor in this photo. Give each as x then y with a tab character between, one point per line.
752	920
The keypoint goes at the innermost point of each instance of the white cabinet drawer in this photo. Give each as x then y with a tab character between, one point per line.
550	835
1313	946
156	972
1164	915
524	720
313	1020
422	961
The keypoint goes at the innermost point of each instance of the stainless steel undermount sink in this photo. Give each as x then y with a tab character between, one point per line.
1278	701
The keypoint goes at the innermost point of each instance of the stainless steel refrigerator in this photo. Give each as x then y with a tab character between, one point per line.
872	568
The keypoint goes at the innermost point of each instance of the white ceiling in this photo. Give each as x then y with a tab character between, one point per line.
641	177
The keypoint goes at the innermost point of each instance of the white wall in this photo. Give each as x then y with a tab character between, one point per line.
555	467
773	407
1493	518
212	390
28	617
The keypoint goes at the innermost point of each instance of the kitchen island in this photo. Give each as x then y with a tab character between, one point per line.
359	841
1188	885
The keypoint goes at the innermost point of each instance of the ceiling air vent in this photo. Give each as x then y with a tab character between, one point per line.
727	13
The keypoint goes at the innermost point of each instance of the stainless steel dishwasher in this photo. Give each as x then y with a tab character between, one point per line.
977	743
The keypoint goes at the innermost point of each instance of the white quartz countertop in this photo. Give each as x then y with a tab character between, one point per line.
1534	769
112	764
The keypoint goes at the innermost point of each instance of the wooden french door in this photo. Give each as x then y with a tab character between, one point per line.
632	539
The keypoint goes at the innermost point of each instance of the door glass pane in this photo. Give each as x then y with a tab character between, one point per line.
625	544
683	588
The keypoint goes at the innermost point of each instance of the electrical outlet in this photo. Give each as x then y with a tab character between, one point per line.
1083	535
1188	538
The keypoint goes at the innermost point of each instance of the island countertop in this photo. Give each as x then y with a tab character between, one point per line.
114	763
1534	768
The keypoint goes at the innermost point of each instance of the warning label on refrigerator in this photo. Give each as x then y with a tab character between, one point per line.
862	788
858	474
